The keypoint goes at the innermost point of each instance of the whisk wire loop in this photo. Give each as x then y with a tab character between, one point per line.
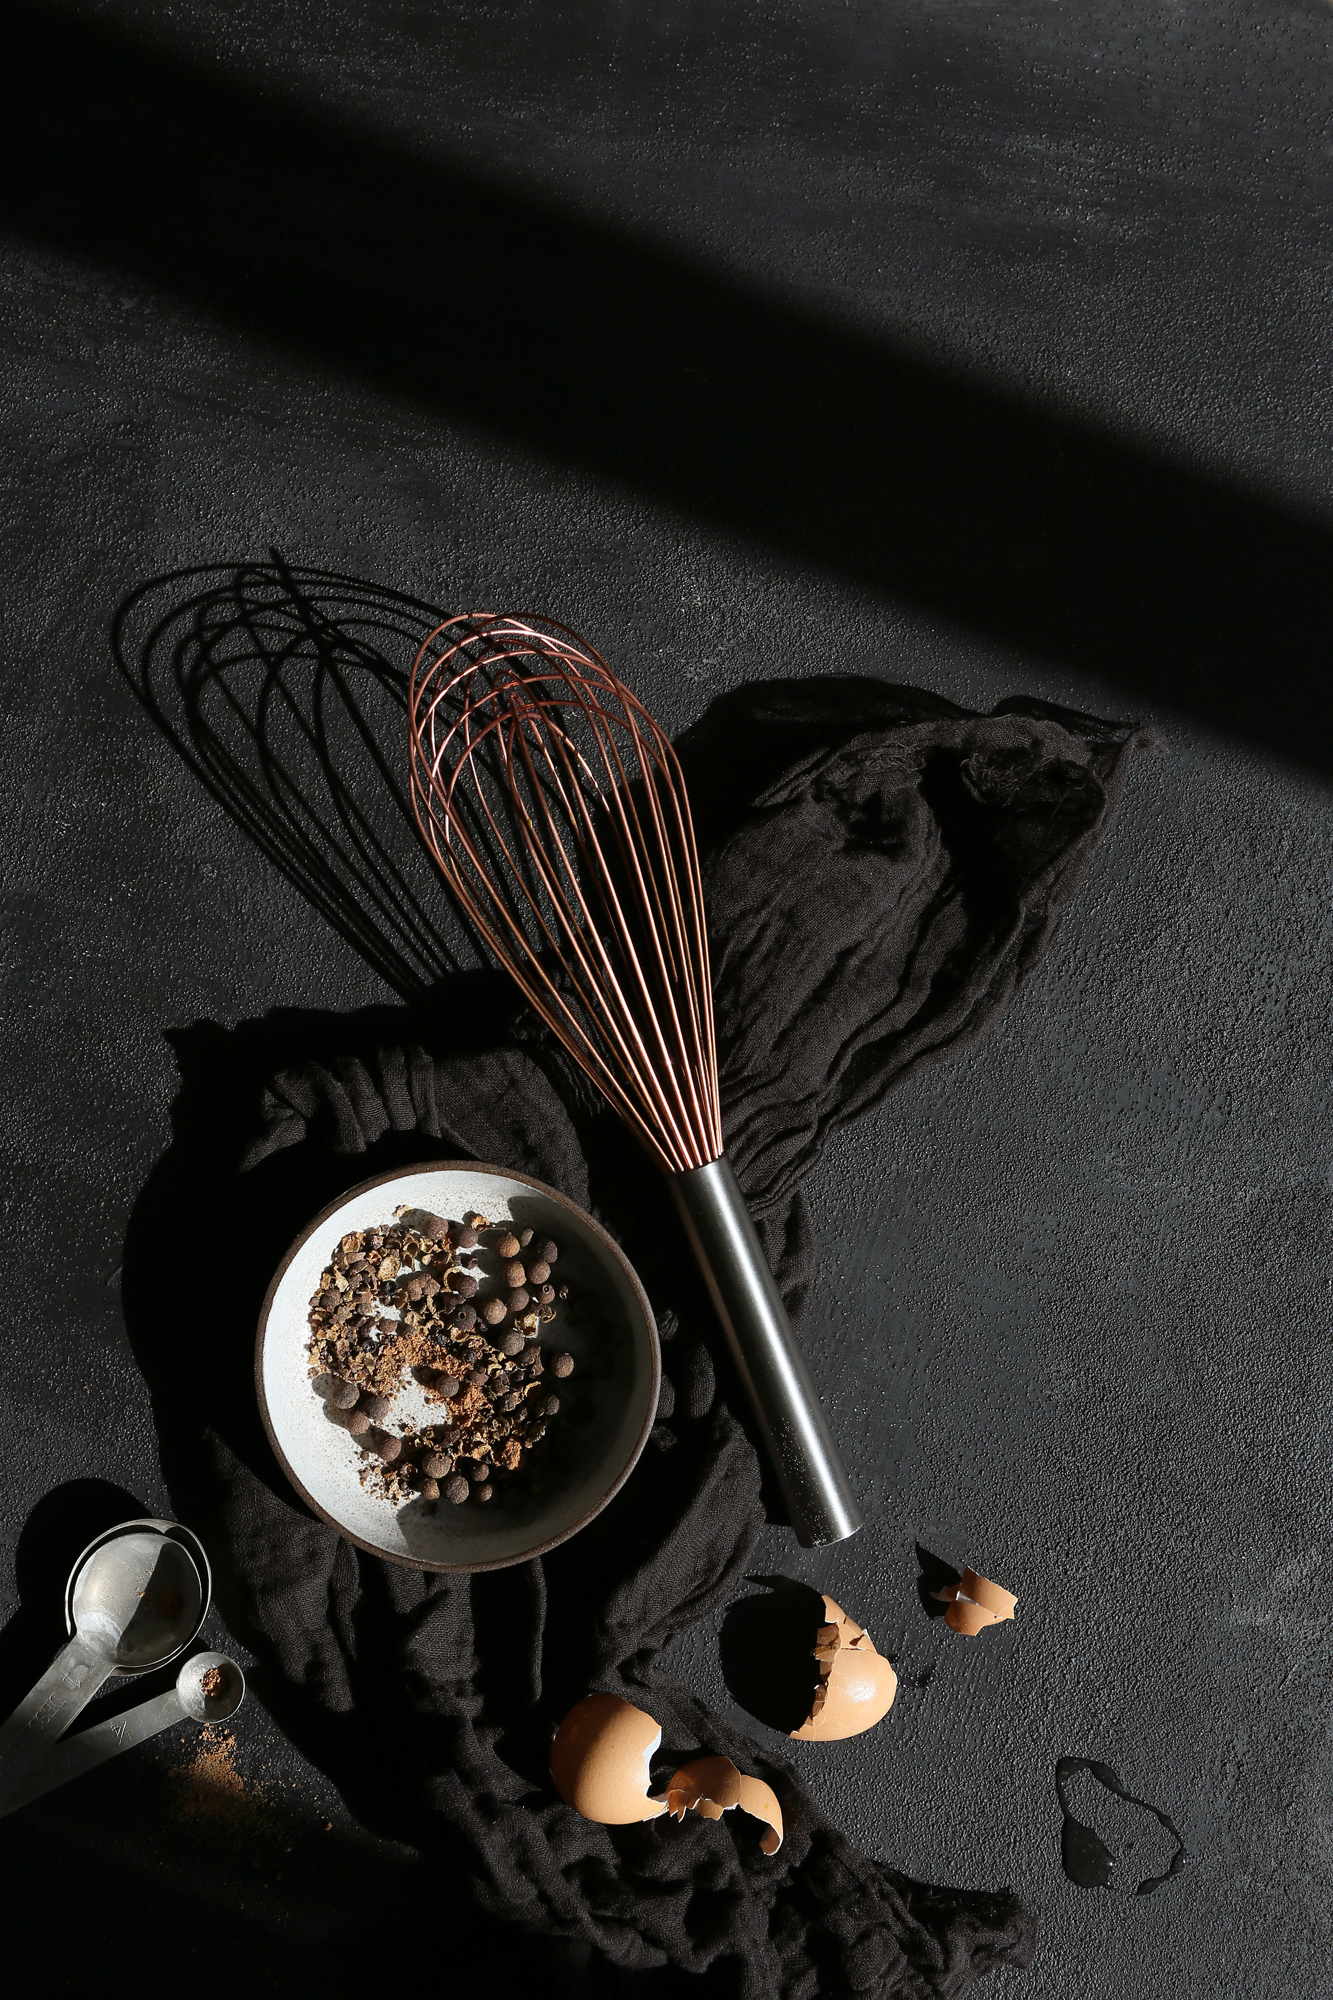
556	809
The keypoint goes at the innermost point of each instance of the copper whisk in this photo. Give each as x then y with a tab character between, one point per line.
557	811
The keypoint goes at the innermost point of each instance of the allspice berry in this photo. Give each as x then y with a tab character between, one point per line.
435	1227
447	1386
517	1298
463	1284
539	1272
546	1296
515	1274
456	1489
549	1251
465	1236
512	1343
477	1377
428	1489
549	1406
387	1445
562	1365
376	1408
437	1465
357	1423
481	1471
464	1320
494	1311
486	1492
509	1245
524	1238
343	1395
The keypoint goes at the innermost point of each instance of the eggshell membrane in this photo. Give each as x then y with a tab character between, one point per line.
713	1785
600	1759
857	1684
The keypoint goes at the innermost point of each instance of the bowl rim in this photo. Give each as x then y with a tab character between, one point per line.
607	1242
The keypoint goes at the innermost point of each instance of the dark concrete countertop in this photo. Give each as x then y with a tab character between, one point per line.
984	348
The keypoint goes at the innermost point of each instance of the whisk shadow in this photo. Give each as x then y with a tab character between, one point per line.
284	690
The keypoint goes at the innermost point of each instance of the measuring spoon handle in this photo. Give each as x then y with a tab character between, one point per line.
69	1683
94	1746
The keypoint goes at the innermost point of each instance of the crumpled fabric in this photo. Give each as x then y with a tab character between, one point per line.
881	871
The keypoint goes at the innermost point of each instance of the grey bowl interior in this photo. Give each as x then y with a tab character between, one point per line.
607	1405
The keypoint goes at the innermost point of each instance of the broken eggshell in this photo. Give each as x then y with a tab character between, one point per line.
713	1785
974	1603
856	1683
600	1759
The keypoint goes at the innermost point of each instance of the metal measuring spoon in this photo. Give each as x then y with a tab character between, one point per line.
190	1700
136	1601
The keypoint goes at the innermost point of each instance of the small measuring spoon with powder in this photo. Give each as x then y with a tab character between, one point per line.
208	1688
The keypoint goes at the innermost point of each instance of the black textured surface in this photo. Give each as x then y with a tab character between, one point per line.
970	347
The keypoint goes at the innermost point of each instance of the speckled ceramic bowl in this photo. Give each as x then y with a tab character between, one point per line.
612	1406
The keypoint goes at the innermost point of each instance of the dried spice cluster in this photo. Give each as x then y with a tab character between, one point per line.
409	1297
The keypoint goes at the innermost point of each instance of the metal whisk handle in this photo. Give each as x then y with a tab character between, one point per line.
795	1431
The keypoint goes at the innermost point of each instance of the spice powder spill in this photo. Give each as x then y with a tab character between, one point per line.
208	1786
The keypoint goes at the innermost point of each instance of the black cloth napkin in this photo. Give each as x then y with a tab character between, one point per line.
881	870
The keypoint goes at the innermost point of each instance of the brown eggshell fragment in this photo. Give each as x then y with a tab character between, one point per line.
974	1603
989	1595
600	1758
856	1683
707	1785
968	1619
713	1785
761	1802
